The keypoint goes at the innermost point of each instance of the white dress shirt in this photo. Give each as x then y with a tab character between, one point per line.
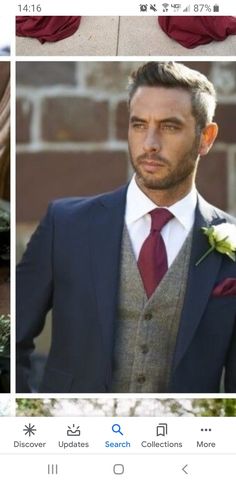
138	220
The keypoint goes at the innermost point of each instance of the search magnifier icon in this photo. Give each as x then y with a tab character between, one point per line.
116	429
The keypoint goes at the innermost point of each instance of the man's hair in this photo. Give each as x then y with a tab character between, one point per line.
177	75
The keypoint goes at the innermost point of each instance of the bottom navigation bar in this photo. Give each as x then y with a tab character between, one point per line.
117	469
117	435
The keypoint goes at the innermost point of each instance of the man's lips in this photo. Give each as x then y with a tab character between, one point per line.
152	165
152	162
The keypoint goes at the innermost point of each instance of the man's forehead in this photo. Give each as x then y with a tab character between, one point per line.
159	98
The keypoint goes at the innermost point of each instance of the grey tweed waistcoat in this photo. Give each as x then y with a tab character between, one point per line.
146	330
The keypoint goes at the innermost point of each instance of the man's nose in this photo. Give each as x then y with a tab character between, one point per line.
152	141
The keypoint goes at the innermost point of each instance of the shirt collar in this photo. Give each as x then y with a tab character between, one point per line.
138	205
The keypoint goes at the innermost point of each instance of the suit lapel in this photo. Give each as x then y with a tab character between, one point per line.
201	278
106	228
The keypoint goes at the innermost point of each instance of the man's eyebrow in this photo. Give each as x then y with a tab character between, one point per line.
171	119
136	118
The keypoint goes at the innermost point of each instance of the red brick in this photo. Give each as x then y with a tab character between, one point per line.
226	119
111	77
204	67
122	117
45	73
23	120
44	176
74	119
212	178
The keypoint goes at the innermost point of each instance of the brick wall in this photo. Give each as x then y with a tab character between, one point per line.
72	132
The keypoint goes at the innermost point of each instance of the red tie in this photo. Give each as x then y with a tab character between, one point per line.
152	261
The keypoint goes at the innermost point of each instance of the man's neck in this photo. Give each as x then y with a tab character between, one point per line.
165	198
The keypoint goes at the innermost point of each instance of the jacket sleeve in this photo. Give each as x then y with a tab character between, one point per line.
34	294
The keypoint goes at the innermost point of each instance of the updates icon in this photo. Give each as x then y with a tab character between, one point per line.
73	430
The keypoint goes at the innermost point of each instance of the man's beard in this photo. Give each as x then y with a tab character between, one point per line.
185	168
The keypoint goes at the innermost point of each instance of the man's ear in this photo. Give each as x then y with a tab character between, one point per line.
208	136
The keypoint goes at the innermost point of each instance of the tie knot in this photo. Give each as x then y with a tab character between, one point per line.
160	217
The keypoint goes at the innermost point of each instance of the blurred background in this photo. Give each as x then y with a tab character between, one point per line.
126	407
71	127
4	227
5	406
6	24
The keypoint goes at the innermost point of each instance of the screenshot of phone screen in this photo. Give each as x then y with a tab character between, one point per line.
117	242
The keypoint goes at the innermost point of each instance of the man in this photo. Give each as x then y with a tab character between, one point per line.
143	299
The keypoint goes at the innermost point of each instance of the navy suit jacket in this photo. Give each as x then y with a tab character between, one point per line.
72	266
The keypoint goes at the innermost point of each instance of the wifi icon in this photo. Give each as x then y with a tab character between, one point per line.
165	7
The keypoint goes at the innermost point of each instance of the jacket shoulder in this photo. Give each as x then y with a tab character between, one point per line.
224	215
73	205
213	213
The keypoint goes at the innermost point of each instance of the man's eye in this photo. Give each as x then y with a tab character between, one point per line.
138	125
168	127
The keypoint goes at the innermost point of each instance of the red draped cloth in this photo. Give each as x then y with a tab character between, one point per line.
193	31
47	29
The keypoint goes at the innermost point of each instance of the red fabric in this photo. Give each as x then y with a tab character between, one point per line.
152	261
193	31
47	29
225	288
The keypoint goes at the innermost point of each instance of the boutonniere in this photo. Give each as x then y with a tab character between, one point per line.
222	238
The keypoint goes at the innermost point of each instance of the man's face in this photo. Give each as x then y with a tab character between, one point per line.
163	143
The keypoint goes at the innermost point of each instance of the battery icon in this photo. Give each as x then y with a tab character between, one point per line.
216	8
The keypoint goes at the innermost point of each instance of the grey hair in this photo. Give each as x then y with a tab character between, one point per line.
177	75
